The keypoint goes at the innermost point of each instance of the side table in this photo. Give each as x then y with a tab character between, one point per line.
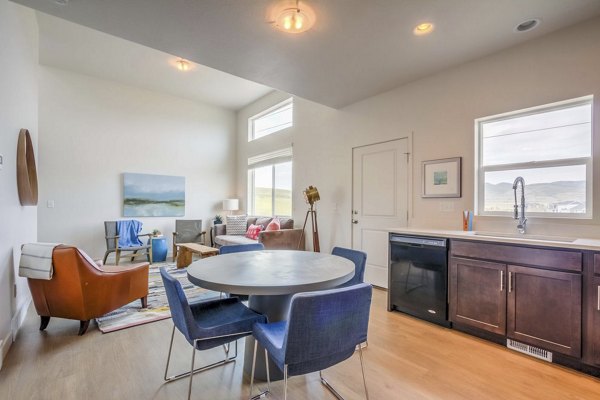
159	248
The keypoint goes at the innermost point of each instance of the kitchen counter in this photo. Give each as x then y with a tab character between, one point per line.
513	238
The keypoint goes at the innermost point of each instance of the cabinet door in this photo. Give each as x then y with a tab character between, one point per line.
593	300
478	294
544	309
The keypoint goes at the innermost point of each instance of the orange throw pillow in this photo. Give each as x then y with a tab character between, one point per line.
253	231
274	225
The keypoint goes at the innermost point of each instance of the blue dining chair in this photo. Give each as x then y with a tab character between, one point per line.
238	248
206	324
359	259
323	329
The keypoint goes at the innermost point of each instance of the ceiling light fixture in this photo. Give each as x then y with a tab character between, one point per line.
423	29
294	18
183	65
527	25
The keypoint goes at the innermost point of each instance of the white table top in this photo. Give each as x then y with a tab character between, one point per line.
271	272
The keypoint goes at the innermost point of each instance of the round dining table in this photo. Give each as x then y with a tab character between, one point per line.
270	278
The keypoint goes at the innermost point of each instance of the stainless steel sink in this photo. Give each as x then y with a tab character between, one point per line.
526	237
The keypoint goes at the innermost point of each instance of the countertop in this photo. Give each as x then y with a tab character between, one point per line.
514	238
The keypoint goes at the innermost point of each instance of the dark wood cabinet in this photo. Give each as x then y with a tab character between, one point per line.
532	295
544	309
593	321
477	294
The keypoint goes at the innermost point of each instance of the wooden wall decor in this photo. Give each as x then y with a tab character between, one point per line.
26	172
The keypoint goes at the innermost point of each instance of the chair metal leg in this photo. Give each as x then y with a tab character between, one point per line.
285	379
192	370
252	374
169	356
199	369
329	387
332	389
268	374
265	392
362	368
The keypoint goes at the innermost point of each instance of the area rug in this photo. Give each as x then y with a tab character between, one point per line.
133	314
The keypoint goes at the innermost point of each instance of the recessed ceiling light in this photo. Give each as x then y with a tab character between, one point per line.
183	65
293	17
423	29
527	25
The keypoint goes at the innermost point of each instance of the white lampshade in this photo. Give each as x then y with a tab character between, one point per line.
231	205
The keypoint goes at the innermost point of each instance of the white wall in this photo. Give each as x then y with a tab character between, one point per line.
439	113
18	109
92	131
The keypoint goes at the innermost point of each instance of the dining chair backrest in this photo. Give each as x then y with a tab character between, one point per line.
239	248
359	259
324	327
180	308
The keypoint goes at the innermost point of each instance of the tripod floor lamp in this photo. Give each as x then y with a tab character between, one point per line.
311	196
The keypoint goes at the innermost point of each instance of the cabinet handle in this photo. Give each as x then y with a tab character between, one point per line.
509	282
598	305
502	281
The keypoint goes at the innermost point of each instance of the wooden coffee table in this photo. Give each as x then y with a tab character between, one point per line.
186	250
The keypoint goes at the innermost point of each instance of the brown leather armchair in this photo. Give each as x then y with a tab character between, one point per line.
82	290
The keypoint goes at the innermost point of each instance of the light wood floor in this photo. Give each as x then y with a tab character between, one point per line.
406	359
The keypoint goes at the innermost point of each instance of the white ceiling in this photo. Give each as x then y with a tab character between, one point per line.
76	48
357	48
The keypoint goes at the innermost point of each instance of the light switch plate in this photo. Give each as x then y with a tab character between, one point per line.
50	204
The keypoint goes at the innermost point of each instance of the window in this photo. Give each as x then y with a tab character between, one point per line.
550	147
272	120
270	184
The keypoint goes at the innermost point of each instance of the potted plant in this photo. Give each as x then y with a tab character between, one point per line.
218	219
156	232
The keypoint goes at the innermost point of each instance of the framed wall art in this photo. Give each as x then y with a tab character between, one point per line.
146	195
442	178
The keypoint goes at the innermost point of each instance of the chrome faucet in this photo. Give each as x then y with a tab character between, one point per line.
522	219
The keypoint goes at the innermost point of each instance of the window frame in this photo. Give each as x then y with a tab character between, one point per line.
266	112
269	159
480	170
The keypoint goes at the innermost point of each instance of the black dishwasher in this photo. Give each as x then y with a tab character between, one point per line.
418	277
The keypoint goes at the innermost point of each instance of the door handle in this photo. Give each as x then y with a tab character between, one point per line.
354	221
598	305
501	280
509	282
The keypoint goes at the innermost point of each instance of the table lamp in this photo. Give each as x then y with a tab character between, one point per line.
231	205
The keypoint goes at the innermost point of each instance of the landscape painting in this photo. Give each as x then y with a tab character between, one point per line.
147	195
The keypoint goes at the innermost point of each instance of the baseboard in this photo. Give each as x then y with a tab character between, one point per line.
5	344
19	318
15	325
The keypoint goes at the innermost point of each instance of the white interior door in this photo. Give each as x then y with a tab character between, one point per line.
380	202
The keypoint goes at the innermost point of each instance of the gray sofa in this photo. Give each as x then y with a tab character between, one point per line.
287	238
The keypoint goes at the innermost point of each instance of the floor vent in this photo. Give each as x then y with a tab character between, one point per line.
529	350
